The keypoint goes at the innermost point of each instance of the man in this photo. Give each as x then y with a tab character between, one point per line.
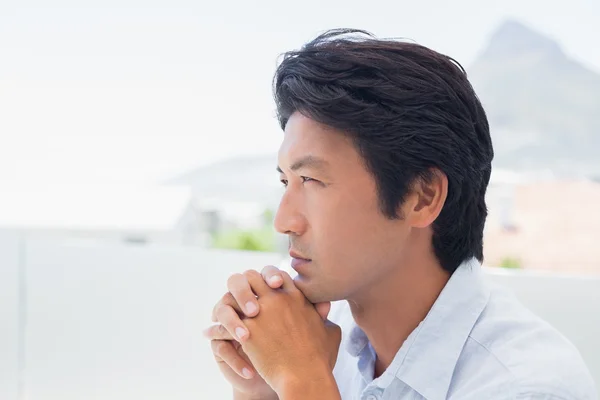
385	160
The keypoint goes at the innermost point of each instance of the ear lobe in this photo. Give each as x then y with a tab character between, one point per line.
430	196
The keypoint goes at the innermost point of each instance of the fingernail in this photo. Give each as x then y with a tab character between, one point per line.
240	332
251	307
247	374
275	279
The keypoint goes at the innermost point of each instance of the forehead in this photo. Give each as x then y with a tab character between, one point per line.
304	136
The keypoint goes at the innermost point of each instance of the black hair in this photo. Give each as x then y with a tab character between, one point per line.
409	110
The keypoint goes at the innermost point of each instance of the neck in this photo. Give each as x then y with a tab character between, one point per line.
389	310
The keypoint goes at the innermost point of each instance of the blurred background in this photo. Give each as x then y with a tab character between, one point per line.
137	172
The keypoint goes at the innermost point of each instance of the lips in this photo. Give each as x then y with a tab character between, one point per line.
298	256
298	263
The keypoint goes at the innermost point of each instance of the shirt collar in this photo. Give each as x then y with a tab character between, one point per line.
427	359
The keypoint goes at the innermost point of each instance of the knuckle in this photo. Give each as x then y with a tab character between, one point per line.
252	274
222	349
231	281
219	308
229	319
222	313
221	330
223	300
210	332
227	299
217	347
230	300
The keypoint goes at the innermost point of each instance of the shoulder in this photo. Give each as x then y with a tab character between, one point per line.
513	350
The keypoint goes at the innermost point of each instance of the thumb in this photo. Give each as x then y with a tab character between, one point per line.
323	309
334	334
334	330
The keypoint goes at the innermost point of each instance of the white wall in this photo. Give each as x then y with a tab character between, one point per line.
118	322
9	343
118	236
124	322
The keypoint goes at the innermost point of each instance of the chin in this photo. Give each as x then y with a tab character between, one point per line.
313	291
307	287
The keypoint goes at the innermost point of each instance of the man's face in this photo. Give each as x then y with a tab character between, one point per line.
330	211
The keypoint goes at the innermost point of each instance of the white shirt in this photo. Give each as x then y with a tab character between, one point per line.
476	343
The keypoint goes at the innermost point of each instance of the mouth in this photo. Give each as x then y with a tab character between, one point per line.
297	255
299	262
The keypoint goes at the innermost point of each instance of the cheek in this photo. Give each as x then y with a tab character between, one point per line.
347	230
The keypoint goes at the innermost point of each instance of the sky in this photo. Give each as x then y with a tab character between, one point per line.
135	92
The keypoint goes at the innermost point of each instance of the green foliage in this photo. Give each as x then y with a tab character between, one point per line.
248	240
511	262
268	217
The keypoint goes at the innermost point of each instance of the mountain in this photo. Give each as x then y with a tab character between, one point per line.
249	179
543	107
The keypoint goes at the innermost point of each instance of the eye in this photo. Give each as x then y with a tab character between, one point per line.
305	179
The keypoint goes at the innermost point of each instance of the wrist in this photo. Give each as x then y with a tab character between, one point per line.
244	396
313	386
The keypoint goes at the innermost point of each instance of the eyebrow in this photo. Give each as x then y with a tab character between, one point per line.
309	161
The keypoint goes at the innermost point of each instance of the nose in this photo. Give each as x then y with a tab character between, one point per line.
289	218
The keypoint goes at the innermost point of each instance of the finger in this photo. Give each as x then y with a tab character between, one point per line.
288	282
257	283
227	317
272	275
323	309
334	334
239	287
227	300
226	353
217	332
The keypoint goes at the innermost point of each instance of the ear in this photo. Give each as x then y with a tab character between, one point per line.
426	199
